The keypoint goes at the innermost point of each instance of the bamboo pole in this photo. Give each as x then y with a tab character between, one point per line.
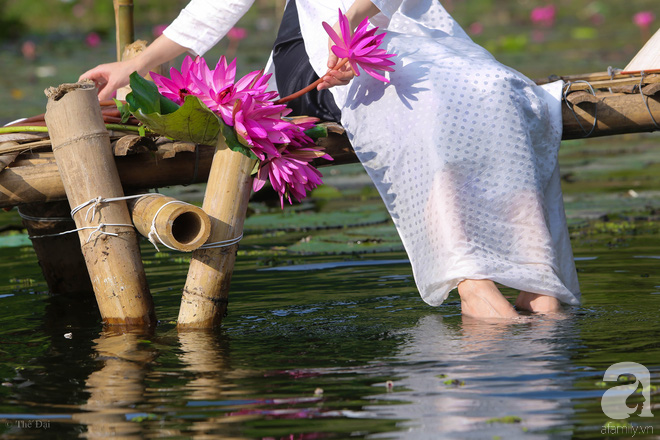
81	147
205	293
124	25
59	256
177	225
35	178
618	114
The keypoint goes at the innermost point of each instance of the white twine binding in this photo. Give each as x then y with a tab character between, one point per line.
153	233
223	243
95	202
153	236
567	89
645	100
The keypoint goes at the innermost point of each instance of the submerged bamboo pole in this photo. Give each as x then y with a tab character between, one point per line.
165	220
81	147
205	293
62	263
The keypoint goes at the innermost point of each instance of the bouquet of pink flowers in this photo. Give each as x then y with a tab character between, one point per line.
199	104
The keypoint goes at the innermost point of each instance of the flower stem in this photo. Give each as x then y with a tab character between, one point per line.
23	129
312	86
42	129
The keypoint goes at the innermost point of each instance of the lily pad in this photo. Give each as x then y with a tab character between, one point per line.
16	240
289	220
377	238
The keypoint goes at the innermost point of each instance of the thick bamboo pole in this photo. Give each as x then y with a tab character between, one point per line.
35	178
81	147
165	220
124	25
617	114
62	263
205	293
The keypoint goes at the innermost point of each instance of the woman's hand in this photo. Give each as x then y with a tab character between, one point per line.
360	10
339	77
109	77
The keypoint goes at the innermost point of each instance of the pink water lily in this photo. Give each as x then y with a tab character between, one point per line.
180	83
219	89
279	142
291	173
260	126
361	48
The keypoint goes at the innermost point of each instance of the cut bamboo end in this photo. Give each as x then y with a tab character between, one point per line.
81	146
175	224
205	295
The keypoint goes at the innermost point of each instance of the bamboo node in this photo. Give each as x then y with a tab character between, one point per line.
98	134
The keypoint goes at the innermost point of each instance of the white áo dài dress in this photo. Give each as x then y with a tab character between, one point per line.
462	149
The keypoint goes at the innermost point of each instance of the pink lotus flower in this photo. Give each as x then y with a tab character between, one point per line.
361	49
644	19
543	15
219	90
291	173
93	39
158	30
260	126
180	84
280	143
236	33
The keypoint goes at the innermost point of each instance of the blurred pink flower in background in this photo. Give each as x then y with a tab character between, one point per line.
236	33
644	19
157	30
543	15
476	28
29	50
93	39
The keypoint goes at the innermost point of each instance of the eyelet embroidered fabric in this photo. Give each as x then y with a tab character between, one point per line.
462	149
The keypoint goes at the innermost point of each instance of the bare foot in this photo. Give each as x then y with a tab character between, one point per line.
533	302
481	299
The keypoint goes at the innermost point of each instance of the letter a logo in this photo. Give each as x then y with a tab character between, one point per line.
614	400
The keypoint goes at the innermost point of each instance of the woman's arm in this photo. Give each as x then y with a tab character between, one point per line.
360	10
111	76
199	26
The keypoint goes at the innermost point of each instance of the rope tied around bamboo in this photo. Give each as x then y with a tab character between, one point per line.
189	226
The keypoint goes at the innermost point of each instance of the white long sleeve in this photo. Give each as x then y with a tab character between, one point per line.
202	23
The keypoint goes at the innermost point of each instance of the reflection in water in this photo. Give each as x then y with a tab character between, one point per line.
117	387
459	377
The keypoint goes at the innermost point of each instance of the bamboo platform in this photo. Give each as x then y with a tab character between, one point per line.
598	104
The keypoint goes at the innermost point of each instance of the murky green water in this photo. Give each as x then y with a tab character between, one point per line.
326	336
333	344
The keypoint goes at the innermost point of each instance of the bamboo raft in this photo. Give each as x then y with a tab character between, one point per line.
77	220
594	105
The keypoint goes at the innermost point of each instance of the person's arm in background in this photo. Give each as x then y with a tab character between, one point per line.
358	11
109	77
197	28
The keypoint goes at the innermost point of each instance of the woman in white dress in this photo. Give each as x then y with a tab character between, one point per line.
462	149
